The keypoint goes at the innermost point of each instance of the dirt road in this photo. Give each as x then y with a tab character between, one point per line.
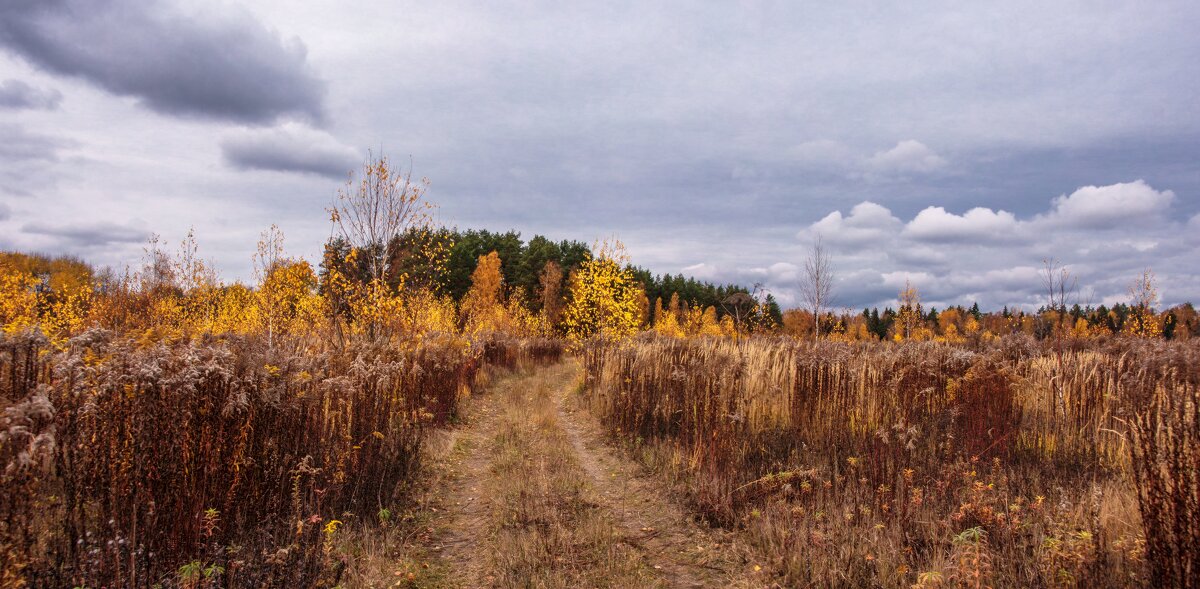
530	495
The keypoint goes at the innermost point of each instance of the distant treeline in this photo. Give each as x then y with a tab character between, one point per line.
445	258
957	321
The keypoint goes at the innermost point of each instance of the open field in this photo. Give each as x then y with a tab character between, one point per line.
1012	465
764	462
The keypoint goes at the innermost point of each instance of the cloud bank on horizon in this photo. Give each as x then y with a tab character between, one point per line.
1108	233
924	142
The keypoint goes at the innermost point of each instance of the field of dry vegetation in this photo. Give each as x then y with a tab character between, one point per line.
368	427
1008	464
211	461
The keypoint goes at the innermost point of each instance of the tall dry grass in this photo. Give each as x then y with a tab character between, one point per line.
900	465
1165	448
211	461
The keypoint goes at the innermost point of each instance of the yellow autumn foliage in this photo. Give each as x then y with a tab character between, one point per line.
483	307
287	298
605	297
424	312
18	298
666	321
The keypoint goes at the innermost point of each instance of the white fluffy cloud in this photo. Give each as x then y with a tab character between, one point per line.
702	271
1088	208
867	223
934	224
777	273
907	158
992	256
1102	207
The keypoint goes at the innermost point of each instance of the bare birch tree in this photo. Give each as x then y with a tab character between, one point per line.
381	204
266	259
816	285
1060	286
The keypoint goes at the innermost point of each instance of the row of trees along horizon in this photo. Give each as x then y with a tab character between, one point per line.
526	266
535	274
534	279
531	271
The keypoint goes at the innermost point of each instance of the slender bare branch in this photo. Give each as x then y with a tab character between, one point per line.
816	285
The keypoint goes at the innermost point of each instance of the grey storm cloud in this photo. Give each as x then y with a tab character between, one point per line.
217	63
90	234
924	139
17	144
16	94
290	148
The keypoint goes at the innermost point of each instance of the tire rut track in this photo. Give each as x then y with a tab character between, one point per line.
688	554
612	526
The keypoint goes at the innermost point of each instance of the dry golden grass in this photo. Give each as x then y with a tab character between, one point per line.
215	460
548	529
914	464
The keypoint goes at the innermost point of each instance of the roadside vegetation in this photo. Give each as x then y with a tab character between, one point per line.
923	464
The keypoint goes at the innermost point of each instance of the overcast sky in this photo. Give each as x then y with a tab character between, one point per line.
948	143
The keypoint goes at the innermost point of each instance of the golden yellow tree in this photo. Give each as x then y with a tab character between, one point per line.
371	211
238	310
1084	330
708	323
18	298
198	286
425	312
948	324
909	317
287	297
67	312
483	305
605	297
60	273
53	293
1142	321
519	321
666	320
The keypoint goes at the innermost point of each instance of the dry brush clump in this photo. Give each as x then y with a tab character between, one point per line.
209	461
917	464
1165	445
514	353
